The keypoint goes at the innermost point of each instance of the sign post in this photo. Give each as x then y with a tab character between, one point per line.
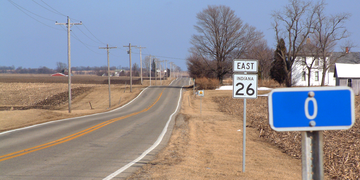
245	87
311	110
201	94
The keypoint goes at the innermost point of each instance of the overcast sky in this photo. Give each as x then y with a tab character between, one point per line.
164	27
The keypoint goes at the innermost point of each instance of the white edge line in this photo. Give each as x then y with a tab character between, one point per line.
67	119
157	142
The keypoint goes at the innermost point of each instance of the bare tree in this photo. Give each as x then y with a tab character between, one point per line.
309	57
264	55
146	64
60	66
135	68
198	67
222	37
328	30
293	24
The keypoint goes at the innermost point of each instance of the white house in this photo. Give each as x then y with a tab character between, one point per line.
300	70
306	60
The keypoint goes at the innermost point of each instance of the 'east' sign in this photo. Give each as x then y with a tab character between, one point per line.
245	65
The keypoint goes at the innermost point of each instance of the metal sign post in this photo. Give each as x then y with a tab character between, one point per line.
312	155
311	110
194	87
201	94
245	87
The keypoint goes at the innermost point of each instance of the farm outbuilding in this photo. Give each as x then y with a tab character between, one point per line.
58	74
348	75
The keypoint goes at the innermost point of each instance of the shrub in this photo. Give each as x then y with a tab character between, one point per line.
206	83
268	83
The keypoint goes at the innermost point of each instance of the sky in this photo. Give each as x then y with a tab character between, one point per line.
29	37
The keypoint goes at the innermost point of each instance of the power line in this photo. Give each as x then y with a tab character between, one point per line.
93	34
87	35
22	10
164	57
45	7
86	45
57	12
18	6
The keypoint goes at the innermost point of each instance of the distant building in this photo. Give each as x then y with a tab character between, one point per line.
58	74
348	75
300	72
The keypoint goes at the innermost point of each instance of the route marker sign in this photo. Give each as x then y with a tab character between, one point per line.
311	109
245	65
201	93
245	86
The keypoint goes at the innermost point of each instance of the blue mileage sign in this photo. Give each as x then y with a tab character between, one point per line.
311	109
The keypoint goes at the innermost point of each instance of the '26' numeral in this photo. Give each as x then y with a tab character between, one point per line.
249	91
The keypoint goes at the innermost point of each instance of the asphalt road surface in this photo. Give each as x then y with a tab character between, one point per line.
101	146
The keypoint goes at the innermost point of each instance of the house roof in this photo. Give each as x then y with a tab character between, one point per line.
343	70
348	58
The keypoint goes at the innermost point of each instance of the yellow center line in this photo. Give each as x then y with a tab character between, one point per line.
75	135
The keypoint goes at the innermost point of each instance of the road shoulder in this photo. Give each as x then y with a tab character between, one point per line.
210	146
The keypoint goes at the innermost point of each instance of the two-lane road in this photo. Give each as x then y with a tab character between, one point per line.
98	146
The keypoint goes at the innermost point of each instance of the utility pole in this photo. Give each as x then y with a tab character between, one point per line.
150	68
156	66
173	68
166	73
68	24
160	71
155	61
108	62
129	52
141	64
171	72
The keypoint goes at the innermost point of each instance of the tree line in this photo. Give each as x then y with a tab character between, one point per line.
222	37
21	70
97	70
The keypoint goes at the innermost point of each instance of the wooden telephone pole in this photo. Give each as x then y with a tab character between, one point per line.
108	62
129	52
141	64
68	24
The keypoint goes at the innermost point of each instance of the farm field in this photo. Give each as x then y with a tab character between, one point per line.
45	98
76	79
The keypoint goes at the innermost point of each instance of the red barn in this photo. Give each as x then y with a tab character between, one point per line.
58	74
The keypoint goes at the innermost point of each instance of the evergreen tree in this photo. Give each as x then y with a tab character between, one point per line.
277	71
153	66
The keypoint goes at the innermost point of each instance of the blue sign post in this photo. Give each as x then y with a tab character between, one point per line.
311	110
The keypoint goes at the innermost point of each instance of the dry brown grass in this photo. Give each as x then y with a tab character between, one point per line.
341	148
208	146
261	83
206	83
